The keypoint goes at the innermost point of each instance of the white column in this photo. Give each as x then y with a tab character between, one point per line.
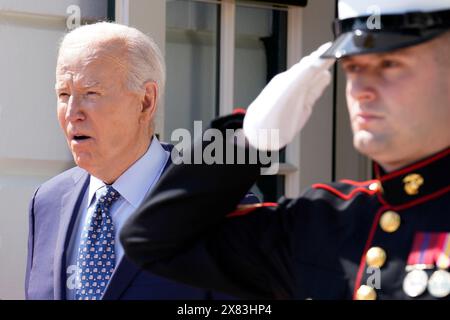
294	54
227	48
122	12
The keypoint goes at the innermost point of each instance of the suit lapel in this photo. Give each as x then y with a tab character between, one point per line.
121	279
69	207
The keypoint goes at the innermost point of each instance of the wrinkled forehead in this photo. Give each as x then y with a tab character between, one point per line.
85	52
86	61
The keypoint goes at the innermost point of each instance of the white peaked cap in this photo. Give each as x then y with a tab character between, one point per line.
359	8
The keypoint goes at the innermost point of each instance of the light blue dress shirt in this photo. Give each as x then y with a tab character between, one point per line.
133	185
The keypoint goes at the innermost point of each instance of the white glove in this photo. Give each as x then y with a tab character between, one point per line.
287	100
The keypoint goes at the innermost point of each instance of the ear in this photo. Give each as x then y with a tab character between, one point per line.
149	100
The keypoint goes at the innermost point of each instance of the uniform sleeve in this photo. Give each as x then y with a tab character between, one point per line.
182	232
247	256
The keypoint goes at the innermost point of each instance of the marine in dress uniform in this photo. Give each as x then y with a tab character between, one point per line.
387	238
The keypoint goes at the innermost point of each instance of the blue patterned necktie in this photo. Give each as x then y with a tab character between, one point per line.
96	256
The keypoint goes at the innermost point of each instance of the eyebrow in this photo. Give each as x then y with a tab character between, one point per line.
91	84
84	86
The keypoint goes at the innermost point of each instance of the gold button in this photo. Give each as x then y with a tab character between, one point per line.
390	221
366	293
413	182
376	257
375	186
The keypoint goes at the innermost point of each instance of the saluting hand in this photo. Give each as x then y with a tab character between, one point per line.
286	102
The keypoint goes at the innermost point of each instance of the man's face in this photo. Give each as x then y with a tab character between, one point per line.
104	123
399	104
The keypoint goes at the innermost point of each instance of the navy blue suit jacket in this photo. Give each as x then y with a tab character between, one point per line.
53	211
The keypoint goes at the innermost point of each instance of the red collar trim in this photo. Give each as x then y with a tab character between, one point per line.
410	168
431	179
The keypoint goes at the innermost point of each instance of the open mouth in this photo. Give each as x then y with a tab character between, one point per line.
80	138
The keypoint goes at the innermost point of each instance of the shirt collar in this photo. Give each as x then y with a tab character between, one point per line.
138	179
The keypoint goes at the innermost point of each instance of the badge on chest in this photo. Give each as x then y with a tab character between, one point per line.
428	264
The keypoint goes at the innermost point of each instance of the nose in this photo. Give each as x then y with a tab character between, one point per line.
361	89
75	110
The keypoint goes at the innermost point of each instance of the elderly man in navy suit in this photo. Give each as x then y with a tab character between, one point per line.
109	79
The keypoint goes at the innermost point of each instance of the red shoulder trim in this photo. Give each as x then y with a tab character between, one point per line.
244	209
354	192
239	111
358	183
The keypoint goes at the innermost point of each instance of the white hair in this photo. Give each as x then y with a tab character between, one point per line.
143	57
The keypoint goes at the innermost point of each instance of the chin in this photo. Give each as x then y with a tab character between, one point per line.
83	161
368	144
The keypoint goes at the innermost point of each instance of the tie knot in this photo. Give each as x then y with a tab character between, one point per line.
109	196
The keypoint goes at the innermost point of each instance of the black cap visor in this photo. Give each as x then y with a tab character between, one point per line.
393	32
365	41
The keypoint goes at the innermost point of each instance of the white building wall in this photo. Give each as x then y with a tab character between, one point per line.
32	147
